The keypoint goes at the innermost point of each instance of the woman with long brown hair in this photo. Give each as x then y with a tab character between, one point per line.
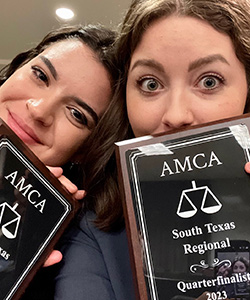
181	63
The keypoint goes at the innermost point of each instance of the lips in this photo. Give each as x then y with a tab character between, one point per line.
22	130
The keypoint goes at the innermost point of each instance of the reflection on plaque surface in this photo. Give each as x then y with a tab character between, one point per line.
187	210
34	209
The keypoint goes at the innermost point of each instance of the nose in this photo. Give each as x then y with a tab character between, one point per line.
41	111
178	111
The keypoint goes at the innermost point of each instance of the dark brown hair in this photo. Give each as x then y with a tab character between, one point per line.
96	37
231	17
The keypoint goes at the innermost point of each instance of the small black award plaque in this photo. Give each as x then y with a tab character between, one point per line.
187	207
34	210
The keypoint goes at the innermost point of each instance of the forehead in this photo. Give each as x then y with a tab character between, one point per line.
239	263
182	32
64	48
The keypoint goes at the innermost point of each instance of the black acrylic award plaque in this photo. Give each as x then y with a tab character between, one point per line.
34	210
187	211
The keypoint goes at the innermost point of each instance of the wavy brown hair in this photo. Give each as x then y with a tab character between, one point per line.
231	17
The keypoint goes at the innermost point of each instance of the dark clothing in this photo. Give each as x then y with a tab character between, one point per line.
95	266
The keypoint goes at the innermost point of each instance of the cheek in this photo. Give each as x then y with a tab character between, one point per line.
6	92
69	141
133	119
220	109
14	89
236	101
232	108
144	119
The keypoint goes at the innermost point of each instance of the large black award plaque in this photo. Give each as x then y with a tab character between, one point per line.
34	210
187	211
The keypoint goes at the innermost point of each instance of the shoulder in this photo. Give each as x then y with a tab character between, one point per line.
85	229
93	257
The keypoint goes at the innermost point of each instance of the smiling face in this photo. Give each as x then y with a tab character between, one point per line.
54	101
183	72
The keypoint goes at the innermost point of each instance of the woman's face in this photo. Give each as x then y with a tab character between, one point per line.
239	267
183	72
54	101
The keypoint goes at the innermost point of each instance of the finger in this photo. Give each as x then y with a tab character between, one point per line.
80	194
247	167
54	258
71	187
56	171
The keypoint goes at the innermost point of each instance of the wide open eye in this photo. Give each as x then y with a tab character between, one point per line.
149	84
210	82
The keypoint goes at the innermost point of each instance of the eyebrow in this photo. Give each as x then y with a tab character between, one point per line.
50	66
206	60
148	63
194	65
86	107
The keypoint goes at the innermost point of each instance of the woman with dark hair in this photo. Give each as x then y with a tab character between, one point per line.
240	265
34	69
53	96
181	63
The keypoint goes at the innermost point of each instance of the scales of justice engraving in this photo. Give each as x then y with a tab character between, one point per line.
9	220
209	203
